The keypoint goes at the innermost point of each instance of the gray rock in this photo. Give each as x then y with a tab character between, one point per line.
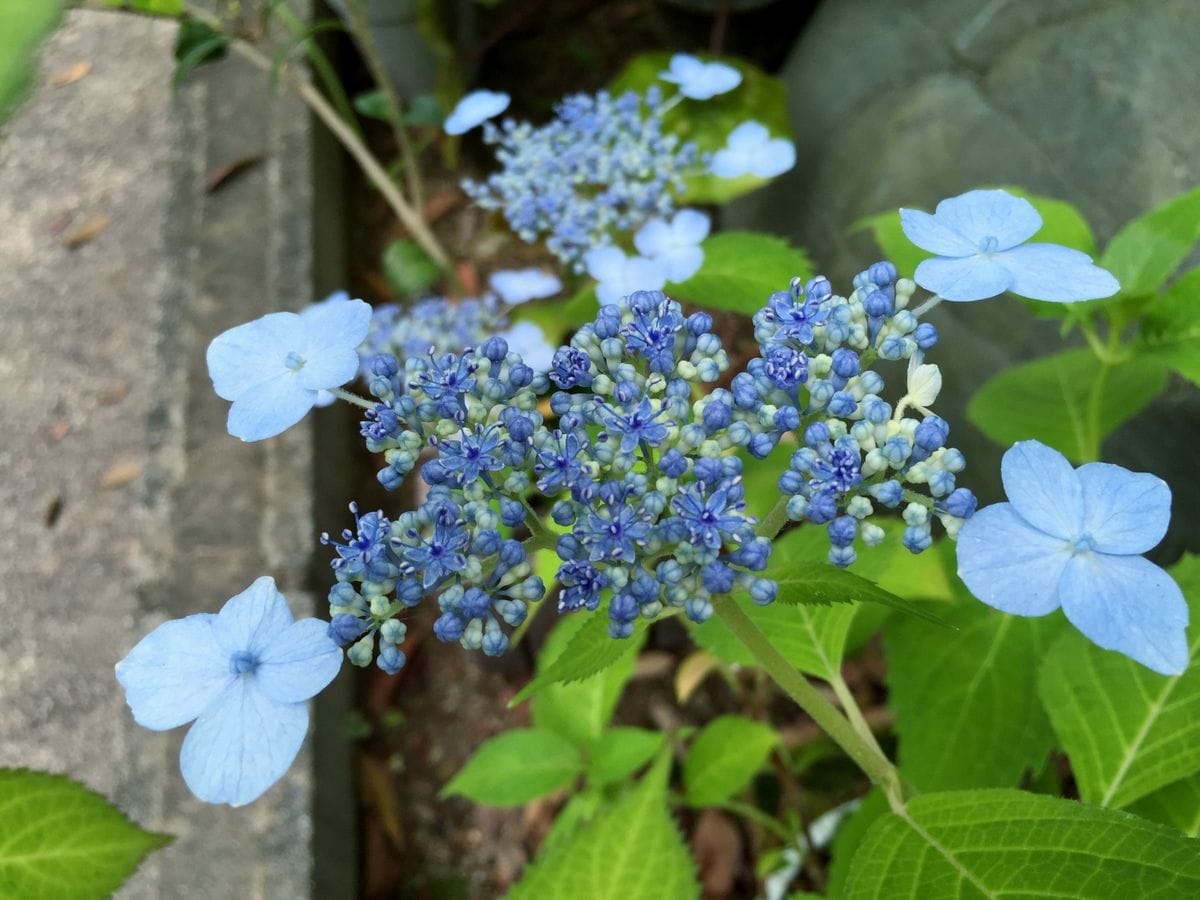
124	503
906	103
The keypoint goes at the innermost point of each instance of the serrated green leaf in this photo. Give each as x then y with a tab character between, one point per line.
579	710
966	705
1048	399
847	840
631	850
1005	843
741	271
708	122
1128	731
1177	805
1148	249
1062	224
590	650
575	813
804	582
620	752
723	758
1170	332
60	840
515	767
408	268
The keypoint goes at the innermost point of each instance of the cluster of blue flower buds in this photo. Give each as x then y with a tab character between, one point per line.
616	461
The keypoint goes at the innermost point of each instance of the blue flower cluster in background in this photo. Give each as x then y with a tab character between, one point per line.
603	164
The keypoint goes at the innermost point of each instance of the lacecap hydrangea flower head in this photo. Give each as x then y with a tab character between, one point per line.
1073	538
243	674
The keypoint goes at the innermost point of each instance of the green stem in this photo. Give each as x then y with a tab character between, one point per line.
749	811
1091	453
774	521
866	754
352	398
853	711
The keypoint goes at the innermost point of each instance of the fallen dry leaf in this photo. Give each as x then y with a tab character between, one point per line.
121	473
58	430
77	237
71	74
114	394
717	849
218	178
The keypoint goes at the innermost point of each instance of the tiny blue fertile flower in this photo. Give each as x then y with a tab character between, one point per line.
475	109
519	285
750	150
274	368
243	675
1073	538
699	80
620	275
675	245
979	238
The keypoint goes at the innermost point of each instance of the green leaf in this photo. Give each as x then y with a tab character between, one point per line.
1005	843
408	268
1170	332
620	752
1148	249
848	838
631	850
724	757
196	43
741	271
709	122
1128	731
1048	399
150	7
58	839
576	812
804	582
558	317
966	705
22	28
1177	805
515	767
423	109
1061	224
579	710
590	650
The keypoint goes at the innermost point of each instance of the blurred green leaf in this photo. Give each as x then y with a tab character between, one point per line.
150	7
408	268
60	840
620	752
723	758
847	839
708	122
1170	332
196	43
1149	248
1049	399
23	25
741	271
515	767
1177	805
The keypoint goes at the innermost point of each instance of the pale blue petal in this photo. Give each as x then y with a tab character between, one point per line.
682	263
749	135
519	285
242	358
930	233
332	334
325	398
1043	489
1124	512
654	238
990	215
1128	604
241	745
249	621
528	340
475	109
270	409
1009	564
965	279
174	673
604	263
1057	274
690	226
731	162
699	80
298	662
775	157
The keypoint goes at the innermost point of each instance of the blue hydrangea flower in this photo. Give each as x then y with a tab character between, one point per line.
243	675
1073	538
979	238
674	245
519	285
475	109
699	80
620	275
274	368
750	150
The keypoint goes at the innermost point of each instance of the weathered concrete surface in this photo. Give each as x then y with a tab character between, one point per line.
123	502
906	103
